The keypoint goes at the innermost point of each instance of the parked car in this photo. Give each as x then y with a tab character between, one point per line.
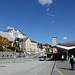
42	58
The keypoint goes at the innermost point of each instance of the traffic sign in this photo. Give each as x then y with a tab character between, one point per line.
55	50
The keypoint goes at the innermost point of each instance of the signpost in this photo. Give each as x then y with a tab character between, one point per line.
55	50
14	55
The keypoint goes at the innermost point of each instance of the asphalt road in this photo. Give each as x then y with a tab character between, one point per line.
26	67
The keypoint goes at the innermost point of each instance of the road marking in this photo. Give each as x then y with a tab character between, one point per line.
59	71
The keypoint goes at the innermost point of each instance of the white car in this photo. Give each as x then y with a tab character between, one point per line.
42	58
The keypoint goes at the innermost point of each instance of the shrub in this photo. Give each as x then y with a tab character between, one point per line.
12	48
1	48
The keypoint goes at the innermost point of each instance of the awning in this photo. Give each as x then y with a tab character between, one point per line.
65	47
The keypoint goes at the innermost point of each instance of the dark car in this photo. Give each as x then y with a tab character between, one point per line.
42	58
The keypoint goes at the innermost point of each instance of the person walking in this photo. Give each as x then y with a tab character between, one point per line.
72	63
62	58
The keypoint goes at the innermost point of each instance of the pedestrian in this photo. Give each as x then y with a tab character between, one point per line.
72	63
24	54
62	58
14	55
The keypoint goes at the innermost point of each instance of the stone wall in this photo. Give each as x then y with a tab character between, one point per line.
8	54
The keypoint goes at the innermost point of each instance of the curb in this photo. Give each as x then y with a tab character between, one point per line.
53	68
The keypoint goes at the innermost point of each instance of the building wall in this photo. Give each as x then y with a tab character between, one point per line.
34	46
28	46
53	41
9	54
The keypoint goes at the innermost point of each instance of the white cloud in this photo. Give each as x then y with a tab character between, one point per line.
51	15
48	9
45	2
64	38
9	27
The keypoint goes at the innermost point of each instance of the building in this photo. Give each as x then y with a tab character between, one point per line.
12	34
28	45
54	41
33	46
54	44
67	49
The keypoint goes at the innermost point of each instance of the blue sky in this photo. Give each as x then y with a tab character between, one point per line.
40	20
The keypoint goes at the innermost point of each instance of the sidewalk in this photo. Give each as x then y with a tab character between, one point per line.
63	68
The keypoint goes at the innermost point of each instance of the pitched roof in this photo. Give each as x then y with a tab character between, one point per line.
23	40
33	41
68	44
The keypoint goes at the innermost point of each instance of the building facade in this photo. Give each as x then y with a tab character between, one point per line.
28	45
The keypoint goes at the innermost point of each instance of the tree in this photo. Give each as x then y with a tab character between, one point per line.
47	48
5	42
18	39
18	45
40	45
15	44
47	45
1	47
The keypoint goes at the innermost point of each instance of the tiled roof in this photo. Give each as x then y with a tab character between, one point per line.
33	41
24	40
